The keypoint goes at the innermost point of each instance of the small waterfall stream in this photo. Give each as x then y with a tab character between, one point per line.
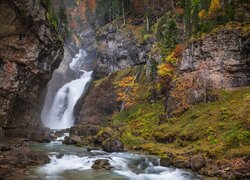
71	162
60	114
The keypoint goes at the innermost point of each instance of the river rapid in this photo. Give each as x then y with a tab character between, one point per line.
68	162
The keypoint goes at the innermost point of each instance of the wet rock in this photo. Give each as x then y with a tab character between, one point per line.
112	145
181	163
166	162
4	147
197	162
20	158
59	156
102	164
71	140
84	130
59	133
92	148
40	137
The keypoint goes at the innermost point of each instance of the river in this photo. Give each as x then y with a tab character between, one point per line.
68	162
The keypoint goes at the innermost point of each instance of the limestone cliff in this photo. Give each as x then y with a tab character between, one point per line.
220	60
30	50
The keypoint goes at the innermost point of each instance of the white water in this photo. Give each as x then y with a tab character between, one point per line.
60	114
118	161
78	60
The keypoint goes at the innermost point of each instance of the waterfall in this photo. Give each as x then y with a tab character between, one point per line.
60	114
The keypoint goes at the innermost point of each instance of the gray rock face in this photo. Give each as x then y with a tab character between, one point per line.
29	52
223	57
117	49
218	61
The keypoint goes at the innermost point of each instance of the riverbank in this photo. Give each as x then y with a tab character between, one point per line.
211	138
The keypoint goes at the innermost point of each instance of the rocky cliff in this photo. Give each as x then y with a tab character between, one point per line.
220	60
30	50
118	49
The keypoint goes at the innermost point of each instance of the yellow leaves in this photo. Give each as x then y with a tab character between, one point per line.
165	70
126	91
172	59
202	14
214	8
127	82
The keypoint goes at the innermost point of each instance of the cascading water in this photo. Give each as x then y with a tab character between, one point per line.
60	114
71	162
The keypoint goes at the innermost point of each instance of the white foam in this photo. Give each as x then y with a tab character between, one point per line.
67	162
78	60
165	175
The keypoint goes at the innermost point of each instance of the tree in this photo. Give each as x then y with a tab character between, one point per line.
126	91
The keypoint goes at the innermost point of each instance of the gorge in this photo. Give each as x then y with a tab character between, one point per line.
124	89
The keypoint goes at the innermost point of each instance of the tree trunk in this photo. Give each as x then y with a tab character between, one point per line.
123	14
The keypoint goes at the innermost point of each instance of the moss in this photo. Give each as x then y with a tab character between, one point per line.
243	27
217	129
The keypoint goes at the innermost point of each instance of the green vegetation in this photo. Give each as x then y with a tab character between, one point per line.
218	129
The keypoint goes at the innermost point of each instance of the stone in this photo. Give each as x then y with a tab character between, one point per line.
101	137
112	145
20	159
4	147
71	140
99	104
101	164
197	162
166	162
40	137
84	130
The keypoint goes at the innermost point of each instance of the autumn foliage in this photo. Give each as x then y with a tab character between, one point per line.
214	8
126	91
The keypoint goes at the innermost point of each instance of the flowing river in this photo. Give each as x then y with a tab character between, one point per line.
69	162
75	163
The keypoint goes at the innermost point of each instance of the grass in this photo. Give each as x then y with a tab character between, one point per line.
220	129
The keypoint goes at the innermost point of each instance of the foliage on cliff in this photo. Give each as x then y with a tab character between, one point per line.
217	129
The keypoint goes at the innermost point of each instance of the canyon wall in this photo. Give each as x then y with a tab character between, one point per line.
30	50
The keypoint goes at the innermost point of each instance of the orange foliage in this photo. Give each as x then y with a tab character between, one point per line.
82	10
92	5
179	11
178	51
126	92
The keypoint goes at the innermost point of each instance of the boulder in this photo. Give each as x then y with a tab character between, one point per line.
40	137
197	162
166	162
102	136
102	164
112	145
59	133
71	140
4	147
84	130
